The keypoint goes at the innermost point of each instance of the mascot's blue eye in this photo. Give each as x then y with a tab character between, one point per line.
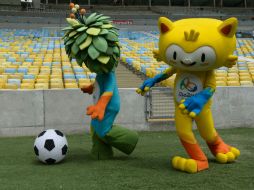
203	57
174	55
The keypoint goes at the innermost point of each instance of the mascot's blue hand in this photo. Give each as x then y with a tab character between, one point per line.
145	87
194	105
147	83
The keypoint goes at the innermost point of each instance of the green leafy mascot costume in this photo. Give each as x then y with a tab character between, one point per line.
93	40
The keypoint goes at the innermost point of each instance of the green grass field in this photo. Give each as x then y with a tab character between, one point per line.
147	168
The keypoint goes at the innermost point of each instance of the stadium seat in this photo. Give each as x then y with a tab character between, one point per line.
71	85
27	86
41	85
11	86
57	85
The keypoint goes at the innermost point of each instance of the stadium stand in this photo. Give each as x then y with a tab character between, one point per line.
36	59
29	61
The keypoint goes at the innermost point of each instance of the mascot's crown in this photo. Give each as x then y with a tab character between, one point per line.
191	36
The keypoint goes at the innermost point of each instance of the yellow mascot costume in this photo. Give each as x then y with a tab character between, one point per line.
194	48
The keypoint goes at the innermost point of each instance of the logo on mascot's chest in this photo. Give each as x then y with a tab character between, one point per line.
187	86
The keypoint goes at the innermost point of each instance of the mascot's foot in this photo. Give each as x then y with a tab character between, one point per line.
102	154
223	152
228	157
122	139
189	165
101	150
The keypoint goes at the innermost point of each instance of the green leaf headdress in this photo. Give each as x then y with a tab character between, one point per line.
92	40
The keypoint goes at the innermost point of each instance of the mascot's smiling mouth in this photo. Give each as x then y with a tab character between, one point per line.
188	65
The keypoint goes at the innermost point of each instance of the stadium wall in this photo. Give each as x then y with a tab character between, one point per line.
25	112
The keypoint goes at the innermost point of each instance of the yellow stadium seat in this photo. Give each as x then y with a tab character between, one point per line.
28	81
56	85
244	74
2	69
68	70
6	74
16	76
71	85
45	71
251	71
56	80
221	74
232	78
245	78
66	63
33	69
233	75
37	63
13	66
41	85
53	76
26	63
56	70
27	86
221	83
11	86
43	77
42	80
244	71
4	78
233	70
233	83
83	84
2	85
221	78
45	67
84	80
70	80
246	83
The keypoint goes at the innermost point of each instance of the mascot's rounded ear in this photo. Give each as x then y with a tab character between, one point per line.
165	25
228	27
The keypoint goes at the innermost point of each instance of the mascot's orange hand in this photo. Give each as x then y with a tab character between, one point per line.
98	110
87	89
95	112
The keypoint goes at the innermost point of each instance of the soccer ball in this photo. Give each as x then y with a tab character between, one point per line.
50	146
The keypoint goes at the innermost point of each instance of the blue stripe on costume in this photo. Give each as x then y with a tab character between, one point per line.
107	83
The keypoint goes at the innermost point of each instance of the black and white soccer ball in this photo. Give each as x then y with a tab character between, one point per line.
51	146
